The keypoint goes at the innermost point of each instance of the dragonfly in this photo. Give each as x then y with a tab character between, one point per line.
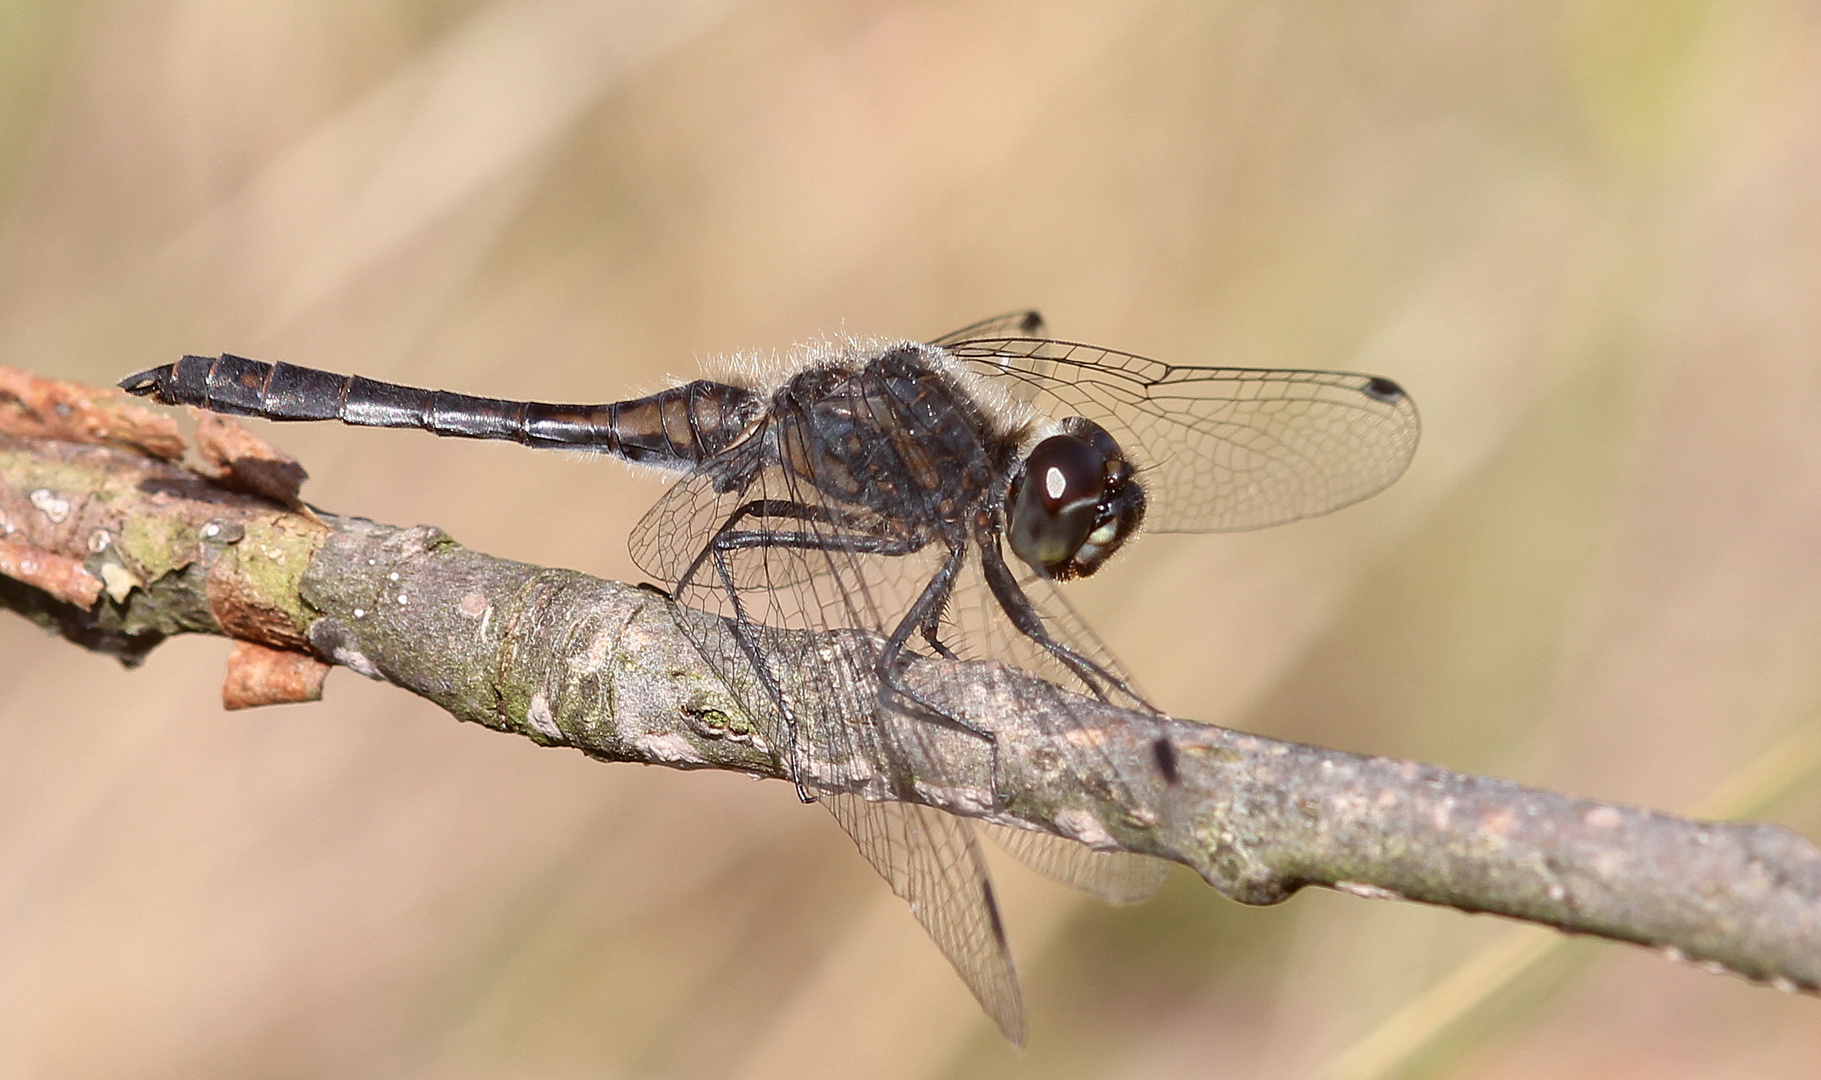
911	501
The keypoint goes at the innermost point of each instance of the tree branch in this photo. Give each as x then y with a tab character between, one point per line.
108	541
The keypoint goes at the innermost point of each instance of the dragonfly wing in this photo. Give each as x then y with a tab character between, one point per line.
1013	324
1118	877
932	860
670	541
811	609
1221	449
671	534
812	591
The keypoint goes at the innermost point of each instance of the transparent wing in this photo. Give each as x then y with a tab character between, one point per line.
1118	877
1013	324
812	586
814	571
1113	876
1018	325
673	535
673	532
1220	449
931	859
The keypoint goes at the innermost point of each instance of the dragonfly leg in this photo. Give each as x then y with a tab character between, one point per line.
1018	608
729	538
931	626
922	616
922	619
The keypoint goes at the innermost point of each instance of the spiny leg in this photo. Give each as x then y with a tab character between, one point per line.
921	616
1018	608
728	539
762	667
930	628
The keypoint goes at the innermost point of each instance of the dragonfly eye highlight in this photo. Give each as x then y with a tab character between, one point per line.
1074	503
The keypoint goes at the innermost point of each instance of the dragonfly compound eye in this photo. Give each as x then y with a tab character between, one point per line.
1073	505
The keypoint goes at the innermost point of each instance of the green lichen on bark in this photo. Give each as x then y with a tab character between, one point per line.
167	542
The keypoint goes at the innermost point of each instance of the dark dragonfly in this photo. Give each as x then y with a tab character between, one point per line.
868	493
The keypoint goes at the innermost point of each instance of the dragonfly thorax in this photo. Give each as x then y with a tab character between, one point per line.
895	436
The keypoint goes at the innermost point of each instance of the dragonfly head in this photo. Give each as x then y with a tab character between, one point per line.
1074	502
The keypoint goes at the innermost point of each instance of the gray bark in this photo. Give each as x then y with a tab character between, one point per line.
609	669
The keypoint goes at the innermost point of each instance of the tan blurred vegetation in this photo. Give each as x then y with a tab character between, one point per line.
1586	235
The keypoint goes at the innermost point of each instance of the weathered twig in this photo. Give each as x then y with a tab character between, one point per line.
108	541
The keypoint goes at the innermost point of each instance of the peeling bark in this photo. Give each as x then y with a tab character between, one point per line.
258	675
238	459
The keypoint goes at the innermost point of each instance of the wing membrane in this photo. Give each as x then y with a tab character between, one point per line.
818	698
932	860
1118	877
826	573
1013	324
1221	449
816	580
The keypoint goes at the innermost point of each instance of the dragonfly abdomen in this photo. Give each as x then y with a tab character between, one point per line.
679	426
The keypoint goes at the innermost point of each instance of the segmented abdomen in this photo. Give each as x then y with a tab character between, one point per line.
682	425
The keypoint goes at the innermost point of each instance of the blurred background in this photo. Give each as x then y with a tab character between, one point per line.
1585	234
